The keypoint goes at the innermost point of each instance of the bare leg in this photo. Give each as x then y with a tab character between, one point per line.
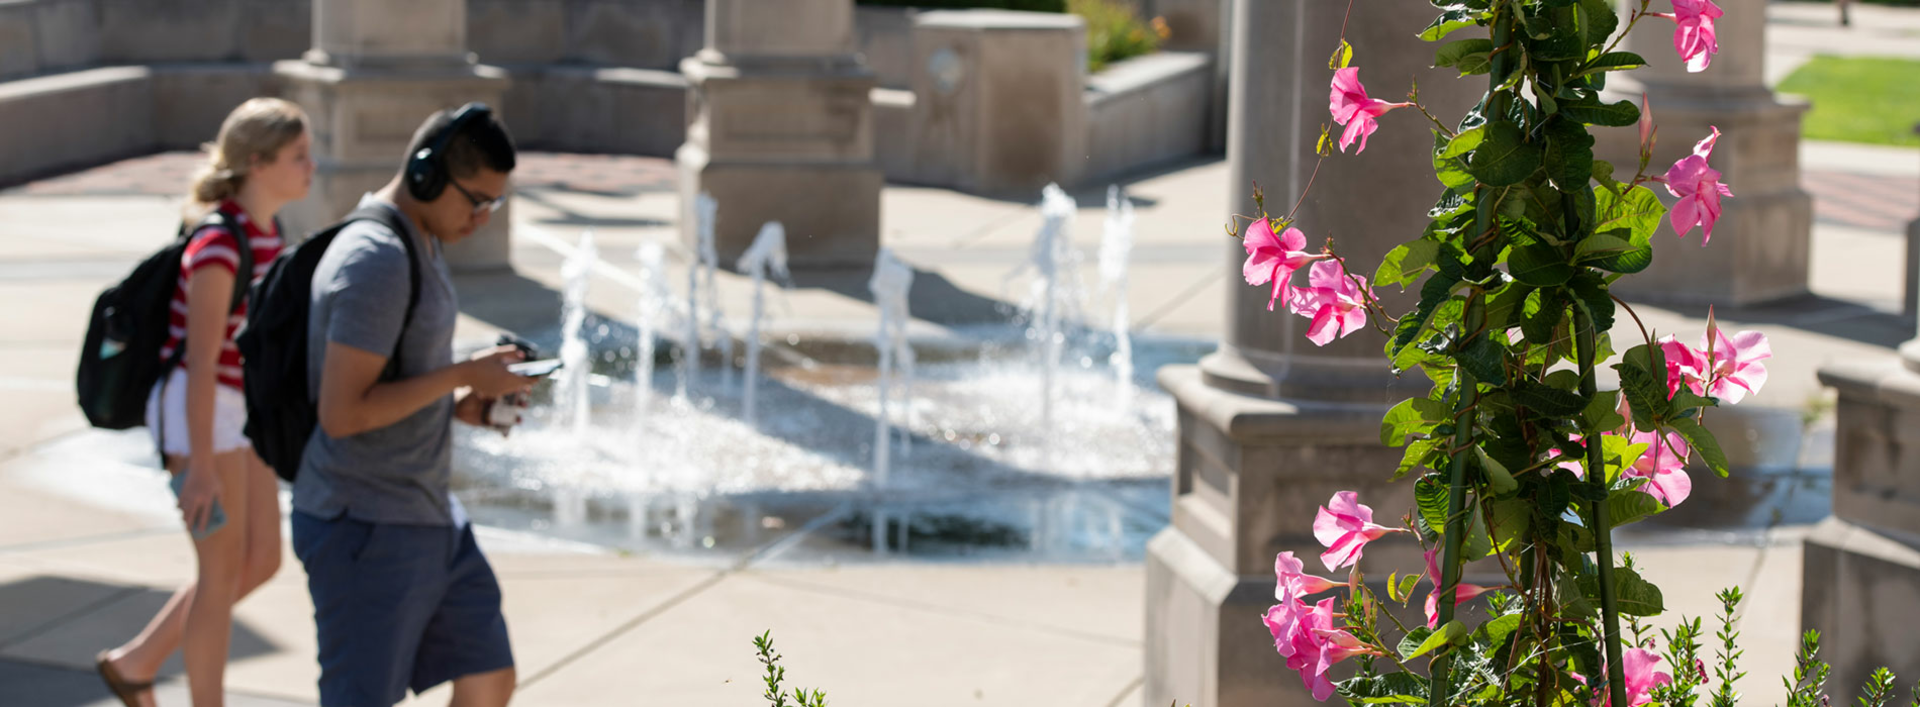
263	550
484	690
209	629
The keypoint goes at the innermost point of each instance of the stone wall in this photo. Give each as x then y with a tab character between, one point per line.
1147	111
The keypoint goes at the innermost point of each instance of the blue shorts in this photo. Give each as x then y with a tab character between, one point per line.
398	607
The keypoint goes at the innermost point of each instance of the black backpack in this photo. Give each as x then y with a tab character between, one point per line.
281	411
120	359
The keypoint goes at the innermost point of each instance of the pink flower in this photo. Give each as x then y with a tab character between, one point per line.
1732	371
1282	619
1639	664
1318	646
1462	592
1333	301
1291	583
1345	527
1579	470
1695	38
1352	107
1273	258
1663	465
1699	189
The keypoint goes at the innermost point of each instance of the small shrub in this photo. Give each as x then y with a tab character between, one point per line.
1115	33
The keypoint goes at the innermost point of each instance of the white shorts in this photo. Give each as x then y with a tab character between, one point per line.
229	416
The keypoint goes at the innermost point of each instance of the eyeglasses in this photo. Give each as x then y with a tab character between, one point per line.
488	205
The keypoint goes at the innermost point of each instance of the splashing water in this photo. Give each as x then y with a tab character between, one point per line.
768	253
891	281
1055	264
1116	246
688	365
575	397
716	326
653	301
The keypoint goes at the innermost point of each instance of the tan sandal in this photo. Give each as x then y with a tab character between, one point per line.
127	690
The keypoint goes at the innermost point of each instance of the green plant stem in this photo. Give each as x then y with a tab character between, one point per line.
1602	524
1468	392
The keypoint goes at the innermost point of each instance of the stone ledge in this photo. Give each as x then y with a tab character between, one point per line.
1246	418
1144	73
998	20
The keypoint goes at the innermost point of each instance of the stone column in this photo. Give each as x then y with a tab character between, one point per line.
1761	248
1861	567
999	101
377	69
1271	426
780	128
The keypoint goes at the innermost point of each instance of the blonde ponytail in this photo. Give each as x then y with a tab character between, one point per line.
259	127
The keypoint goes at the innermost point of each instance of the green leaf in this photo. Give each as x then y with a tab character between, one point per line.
1601	244
1499	629
1639	210
1569	156
1504	157
1414	639
1342	56
1416	453
1511	518
1624	507
1411	416
1590	294
1437	290
1704	444
1446	635
1406	586
1549	401
1470	56
1450	169
1464	142
1601	414
1393	586
1497	475
1405	262
1505	304
1539	263
1598	19
1635	596
1613	61
1452	17
1431	497
1646	395
1552	36
1593	112
1542	314
1390	688
1618	454
1484	359
1635	258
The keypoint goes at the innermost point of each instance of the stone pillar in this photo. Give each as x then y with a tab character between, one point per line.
999	100
780	128
1761	249
377	69
1861	567
1271	426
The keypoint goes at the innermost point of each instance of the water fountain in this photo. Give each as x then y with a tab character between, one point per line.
709	258
891	282
688	365
574	397
1116	247
1054	262
767	254
653	301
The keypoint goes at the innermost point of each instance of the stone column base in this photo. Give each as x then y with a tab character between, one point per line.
362	123
1859	589
1206	644
831	211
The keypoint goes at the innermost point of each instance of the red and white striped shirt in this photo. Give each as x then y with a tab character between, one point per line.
216	247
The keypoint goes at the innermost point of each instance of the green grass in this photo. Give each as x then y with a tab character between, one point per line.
1869	100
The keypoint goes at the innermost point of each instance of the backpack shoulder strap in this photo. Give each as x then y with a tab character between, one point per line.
386	216
242	248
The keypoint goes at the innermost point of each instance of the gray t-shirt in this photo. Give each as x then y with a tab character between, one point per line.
398	473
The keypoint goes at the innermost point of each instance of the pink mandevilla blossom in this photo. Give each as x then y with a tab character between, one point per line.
1639	664
1352	107
1462	592
1695	38
1318	646
1663	465
1345	527
1729	372
1699	189
1281	620
1272	258
1291	583
1333	301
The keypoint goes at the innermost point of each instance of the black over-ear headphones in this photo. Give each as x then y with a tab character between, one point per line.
427	169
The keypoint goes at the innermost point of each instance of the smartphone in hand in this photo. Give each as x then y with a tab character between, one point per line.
535	369
216	516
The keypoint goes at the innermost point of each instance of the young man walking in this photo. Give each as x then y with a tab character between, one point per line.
402	597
